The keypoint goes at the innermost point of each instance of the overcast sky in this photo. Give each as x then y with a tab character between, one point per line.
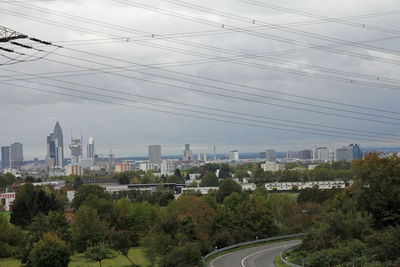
187	58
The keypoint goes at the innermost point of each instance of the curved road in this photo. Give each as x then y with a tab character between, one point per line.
258	256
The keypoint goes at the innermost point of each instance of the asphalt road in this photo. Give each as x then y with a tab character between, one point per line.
263	255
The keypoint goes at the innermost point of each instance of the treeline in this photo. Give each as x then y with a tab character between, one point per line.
172	232
362	223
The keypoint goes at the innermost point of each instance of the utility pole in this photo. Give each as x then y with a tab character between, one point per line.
7	35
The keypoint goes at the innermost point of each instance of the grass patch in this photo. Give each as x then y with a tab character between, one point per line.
248	246
10	262
293	196
135	254
279	263
7	215
78	260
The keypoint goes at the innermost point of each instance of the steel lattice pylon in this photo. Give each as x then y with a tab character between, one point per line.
7	34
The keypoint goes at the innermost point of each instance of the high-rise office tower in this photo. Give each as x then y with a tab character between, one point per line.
357	153
90	148
5	157
187	153
234	155
305	154
55	147
323	154
344	154
270	155
16	155
155	154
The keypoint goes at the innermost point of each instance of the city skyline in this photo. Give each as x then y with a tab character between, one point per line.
275	96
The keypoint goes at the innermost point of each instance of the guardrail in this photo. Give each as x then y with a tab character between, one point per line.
251	243
285	261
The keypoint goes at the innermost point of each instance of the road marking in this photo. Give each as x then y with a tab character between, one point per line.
212	262
248	256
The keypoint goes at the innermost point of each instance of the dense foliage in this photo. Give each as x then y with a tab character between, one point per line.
363	222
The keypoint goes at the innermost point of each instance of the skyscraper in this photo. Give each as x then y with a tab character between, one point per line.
323	154
55	146
154	154
357	153
187	153
344	154
234	155
90	148
305	154
5	157
16	155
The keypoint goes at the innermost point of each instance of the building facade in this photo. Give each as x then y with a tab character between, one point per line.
305	154
154	154
90	148
234	155
5	157
187	153
323	154
16	156
344	154
357	153
55	147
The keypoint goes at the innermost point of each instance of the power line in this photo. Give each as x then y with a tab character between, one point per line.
262	35
316	16
234	29
193	105
351	81
258	56
281	28
212	93
219	88
189	116
323	107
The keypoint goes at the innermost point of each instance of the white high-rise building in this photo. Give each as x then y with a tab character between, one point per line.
323	154
90	148
234	155
344	154
155	154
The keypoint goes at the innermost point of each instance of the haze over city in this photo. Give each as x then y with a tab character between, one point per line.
138	40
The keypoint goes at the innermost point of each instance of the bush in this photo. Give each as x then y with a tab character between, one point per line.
50	251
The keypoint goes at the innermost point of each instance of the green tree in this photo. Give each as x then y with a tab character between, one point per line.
186	255
54	222
99	253
155	245
174	179
30	201
86	191
379	192
10	238
7	180
120	242
87	229
224	171
50	251
209	180
227	187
